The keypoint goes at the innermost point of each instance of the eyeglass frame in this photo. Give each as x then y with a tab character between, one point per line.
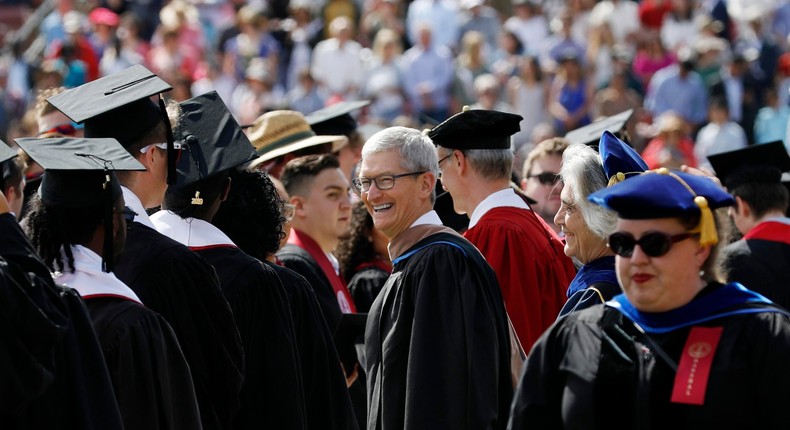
360	185
439	164
556	178
162	146
288	208
669	241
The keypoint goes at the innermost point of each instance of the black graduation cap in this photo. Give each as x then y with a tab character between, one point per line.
763	164
119	106
6	155
211	140
335	119
80	172
476	129
590	134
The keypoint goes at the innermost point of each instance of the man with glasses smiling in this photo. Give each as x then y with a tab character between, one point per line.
437	342
541	179
532	270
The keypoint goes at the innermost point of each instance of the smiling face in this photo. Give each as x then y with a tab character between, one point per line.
325	210
546	195
660	284
580	241
394	210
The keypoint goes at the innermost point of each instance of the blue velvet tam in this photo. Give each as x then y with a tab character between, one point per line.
662	193
620	161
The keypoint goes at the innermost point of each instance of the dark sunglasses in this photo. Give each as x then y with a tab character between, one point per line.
546	178
654	244
127	213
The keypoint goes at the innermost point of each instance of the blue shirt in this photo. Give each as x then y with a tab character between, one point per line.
688	97
431	69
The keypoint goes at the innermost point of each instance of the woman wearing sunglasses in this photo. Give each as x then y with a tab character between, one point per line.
586	226
678	349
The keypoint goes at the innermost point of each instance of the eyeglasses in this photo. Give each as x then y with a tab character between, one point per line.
288	211
441	160
127	213
383	182
163	146
546	178
654	244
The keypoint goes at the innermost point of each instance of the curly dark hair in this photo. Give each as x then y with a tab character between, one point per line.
252	215
51	229
356	247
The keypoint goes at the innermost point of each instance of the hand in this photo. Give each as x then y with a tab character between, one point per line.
350	379
702	171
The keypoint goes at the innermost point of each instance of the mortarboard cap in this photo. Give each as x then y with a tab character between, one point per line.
6	153
119	106
619	159
336	118
282	132
476	129
211	140
79	172
6	156
591	133
663	193
763	164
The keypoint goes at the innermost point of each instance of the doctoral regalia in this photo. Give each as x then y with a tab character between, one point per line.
437	341
53	374
531	267
183	288
613	367
594	284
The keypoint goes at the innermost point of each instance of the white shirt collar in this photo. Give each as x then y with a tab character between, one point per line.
502	198
88	278
428	218
134	203
192	232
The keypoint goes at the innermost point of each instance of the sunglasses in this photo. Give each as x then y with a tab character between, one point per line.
67	129
163	146
653	244
546	178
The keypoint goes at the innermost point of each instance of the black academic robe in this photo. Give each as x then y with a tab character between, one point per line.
272	396
761	261
53	375
437	341
365	286
594	369
183	288
301	262
327	401
150	376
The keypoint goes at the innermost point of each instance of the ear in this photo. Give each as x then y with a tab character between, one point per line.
524	184
225	190
742	208
460	160
702	254
299	203
427	183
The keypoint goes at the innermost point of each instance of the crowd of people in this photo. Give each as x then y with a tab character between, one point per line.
272	215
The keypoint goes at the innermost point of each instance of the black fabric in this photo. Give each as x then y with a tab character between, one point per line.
476	129
182	287
365	286
327	401
53	374
272	395
150	375
437	343
588	297
761	266
301	262
595	370
763	163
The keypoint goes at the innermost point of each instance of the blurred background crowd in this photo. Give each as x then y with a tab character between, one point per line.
703	76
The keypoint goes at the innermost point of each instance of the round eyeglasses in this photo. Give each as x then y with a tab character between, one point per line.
383	182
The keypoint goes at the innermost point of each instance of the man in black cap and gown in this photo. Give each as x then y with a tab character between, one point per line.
168	277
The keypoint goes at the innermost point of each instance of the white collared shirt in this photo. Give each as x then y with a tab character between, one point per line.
192	232
503	198
133	202
88	278
428	218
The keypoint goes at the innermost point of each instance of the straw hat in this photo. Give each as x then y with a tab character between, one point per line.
281	132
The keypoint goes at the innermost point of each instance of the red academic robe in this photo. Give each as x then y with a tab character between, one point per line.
530	265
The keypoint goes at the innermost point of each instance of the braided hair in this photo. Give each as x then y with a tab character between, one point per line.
356	246
252	215
51	229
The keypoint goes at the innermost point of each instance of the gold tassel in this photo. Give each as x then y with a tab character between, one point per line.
616	178
707	225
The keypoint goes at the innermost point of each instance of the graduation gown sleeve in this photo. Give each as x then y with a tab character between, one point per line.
150	376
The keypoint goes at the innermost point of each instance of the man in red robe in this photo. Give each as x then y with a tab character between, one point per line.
475	161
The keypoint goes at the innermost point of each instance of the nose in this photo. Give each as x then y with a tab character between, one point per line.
559	217
373	191
638	257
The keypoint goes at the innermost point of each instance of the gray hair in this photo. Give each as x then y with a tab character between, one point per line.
491	163
416	150
582	170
